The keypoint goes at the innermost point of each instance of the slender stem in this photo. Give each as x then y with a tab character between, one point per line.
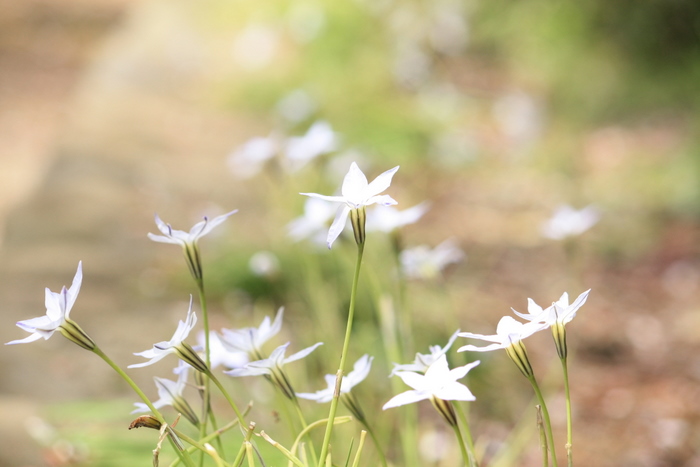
465	455
228	398
343	357
543	437
569	428
382	457
305	425
545	414
206	406
467	434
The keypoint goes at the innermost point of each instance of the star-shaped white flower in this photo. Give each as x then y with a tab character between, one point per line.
356	193
319	139
422	262
250	340
162	349
423	361
275	362
182	238
168	390
559	312
58	306
438	382
569	222
388	218
219	354
356	376
508	332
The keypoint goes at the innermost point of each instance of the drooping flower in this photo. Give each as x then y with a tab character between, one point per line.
188	240
423	361
176	345
356	376
439	384
170	393
422	262
356	193
568	222
250	340
272	367
509	336
58	307
388	218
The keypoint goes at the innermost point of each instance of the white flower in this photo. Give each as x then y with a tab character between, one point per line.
421	262
248	160
356	376
220	355
387	218
161	349
58	306
319	139
356	193
250	340
560	312
275	362
568	222
508	332
185	239
423	361
170	393
313	223
438	382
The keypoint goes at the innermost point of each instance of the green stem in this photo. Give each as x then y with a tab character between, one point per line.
382	457
462	447
228	398
343	357
304	426
206	406
569	428
467	434
545	414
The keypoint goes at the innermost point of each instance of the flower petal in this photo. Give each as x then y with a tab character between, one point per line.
404	398
354	185
302	353
455	392
381	183
338	225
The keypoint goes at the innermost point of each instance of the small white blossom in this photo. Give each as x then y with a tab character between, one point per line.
569	222
246	161
219	354
508	332
185	239
275	362
356	376
422	262
250	340
438	382
313	223
319	139
356	192
388	218
423	361
560	312
162	349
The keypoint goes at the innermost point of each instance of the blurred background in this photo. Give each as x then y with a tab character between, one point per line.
498	113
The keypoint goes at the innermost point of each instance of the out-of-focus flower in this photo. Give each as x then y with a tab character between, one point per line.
250	340
264	264
220	355
421	262
188	240
423	361
388	218
439	384
356	376
58	306
256	46
555	316
319	139
273	368
509	336
296	106
247	161
175	345
170	393
568	222
313	223
356	194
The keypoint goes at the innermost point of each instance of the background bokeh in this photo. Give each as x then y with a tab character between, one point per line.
497	112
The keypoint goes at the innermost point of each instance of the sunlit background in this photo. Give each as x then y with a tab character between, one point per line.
499	112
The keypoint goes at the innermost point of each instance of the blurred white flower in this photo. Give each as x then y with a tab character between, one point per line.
388	218
264	264
438	382
57	318
170	393
296	106
356	376
220	355
520	118
357	193
274	363
313	223
249	159
250	340
319	139
568	222
508	332
423	361
421	262
174	345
